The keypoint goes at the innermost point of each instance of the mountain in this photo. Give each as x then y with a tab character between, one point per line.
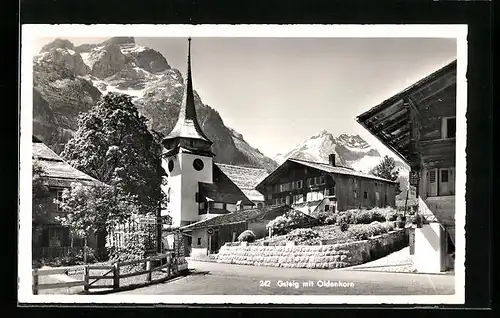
350	150
69	80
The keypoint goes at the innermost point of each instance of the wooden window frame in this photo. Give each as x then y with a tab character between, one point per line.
444	127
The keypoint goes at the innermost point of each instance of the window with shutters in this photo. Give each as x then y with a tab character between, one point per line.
432	176
299	184
444	175
448	127
60	199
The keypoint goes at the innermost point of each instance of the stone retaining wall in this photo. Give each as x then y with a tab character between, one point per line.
316	256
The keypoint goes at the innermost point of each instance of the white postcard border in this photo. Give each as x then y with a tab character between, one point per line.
32	32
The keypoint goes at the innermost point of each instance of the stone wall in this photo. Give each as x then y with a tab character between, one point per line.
315	256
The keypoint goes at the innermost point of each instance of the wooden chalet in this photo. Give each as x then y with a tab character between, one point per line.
50	238
302	183
419	125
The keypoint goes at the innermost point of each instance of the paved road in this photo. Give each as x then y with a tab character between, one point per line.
224	279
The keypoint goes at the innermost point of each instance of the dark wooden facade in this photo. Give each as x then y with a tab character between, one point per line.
419	124
292	183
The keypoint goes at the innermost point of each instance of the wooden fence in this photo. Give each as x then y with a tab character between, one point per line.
113	273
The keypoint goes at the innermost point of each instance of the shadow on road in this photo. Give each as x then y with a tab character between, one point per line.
198	273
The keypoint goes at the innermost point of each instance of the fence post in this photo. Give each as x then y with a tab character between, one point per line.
116	275
35	282
169	262
86	278
148	268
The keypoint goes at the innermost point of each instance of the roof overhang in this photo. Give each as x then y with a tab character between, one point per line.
390	121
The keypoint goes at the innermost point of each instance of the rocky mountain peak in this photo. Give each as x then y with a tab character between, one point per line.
119	41
58	43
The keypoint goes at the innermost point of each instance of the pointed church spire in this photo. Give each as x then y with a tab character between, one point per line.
188	98
187	125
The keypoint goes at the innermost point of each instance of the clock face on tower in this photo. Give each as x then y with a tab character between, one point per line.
198	164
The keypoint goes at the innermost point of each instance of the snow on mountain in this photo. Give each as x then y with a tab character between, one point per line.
68	80
350	150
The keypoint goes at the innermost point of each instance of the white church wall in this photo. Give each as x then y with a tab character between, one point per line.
189	184
174	178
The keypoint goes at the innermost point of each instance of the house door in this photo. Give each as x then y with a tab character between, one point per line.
432	181
214	242
446	181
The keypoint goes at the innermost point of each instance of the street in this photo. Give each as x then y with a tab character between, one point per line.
207	278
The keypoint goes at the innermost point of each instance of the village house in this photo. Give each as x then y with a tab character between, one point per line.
197	188
312	186
419	125
210	235
50	238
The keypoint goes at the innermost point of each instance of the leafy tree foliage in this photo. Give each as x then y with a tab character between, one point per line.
95	209
387	169
40	194
113	144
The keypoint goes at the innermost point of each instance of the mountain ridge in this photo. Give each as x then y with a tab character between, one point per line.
69	80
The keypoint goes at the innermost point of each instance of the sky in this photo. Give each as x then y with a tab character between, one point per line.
277	92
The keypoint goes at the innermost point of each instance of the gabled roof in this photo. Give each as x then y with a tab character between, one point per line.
322	167
187	125
246	179
240	216
222	189
57	172
389	121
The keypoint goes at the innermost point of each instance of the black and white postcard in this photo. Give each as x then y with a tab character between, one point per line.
243	164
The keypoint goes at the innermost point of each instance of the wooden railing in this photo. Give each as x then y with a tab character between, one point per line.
37	273
88	280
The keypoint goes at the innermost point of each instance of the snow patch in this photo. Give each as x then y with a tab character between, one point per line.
86	60
132	49
365	164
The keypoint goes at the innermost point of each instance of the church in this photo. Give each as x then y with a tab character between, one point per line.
197	188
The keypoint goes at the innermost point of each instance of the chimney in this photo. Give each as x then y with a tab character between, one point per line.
331	159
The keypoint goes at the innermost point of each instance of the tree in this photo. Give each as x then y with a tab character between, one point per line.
95	209
40	193
387	169
113	144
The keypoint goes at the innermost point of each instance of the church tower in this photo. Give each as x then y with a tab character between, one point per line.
187	159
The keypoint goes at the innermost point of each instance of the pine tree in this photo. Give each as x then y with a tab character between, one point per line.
387	169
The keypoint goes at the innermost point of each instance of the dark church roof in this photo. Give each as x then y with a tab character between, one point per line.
187	125
246	179
56	171
266	212
222	189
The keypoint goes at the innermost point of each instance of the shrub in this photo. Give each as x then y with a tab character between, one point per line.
367	217
303	236
345	217
325	218
392	216
332	219
376	228
359	232
247	236
389	226
279	226
344	226
287	222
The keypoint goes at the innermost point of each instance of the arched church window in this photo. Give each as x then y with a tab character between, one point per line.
170	165
198	164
